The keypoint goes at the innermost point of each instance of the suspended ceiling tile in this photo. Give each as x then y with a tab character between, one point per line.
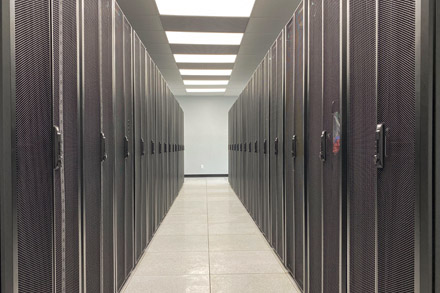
146	22
204	24
152	37
159	49
138	7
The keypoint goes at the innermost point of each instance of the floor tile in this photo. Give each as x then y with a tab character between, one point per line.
185	219
237	218
255	283
183	229
238	243
173	263
173	284
233	228
163	243
244	262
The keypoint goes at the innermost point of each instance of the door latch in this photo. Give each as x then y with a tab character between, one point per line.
142	147
294	146
104	155
126	151
276	146
265	146
323	152
380	146
57	158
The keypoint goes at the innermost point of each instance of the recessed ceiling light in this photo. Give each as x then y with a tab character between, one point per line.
219	72
206	90
204	58
227	8
205	82
193	38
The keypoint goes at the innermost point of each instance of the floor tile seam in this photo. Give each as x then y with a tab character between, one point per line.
167	276
207	228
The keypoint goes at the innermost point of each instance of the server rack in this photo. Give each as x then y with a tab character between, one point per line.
71	146
107	152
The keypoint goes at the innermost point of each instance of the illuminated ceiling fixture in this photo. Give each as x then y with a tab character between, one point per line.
219	72
193	38
204	58
205	82
219	8
206	90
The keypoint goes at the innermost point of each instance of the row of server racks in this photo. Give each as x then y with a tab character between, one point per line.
333	146
91	146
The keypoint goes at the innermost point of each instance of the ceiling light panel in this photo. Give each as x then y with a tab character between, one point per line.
193	38
204	58
206	82
206	90
221	8
205	72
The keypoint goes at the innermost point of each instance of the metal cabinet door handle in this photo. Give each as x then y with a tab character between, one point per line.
294	146
323	152
380	145
104	155
126	151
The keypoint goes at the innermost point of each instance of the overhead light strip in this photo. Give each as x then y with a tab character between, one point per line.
204	58
219	72
196	38
206	90
206	82
217	8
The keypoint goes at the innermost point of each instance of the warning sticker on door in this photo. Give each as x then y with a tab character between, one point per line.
336	133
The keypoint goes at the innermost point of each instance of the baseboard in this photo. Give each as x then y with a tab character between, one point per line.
205	175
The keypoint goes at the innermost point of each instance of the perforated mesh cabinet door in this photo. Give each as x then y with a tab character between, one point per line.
361	148
33	141
119	144
108	129
299	159
91	146
331	171
129	157
314	126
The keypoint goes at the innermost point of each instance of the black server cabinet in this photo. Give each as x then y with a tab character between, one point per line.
150	147
389	105
315	154
107	153
129	146
40	147
91	146
137	110
331	157
436	238
298	268
266	146
142	140
276	160
290	144
121	147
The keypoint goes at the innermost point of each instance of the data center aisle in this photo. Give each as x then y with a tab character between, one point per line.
209	243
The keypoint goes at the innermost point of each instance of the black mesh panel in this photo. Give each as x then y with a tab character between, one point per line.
119	147
314	134
331	168
108	130
299	161
396	186
33	138
92	148
361	135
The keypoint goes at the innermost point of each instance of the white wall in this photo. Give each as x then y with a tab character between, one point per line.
206	134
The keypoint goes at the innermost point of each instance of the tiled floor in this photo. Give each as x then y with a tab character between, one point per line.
209	243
